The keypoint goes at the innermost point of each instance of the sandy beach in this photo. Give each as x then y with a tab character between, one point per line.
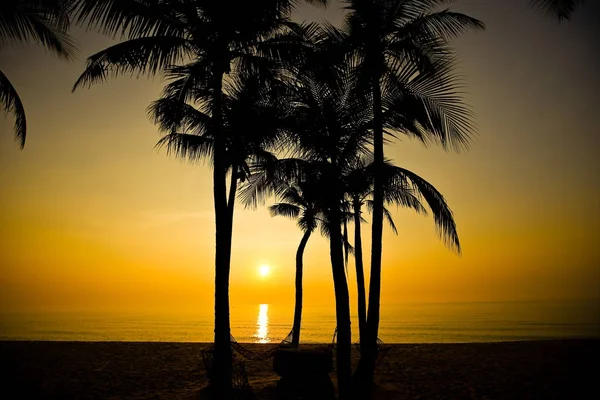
550	369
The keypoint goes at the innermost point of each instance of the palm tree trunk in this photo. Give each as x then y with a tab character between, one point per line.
360	277
342	304
298	305
221	373
366	367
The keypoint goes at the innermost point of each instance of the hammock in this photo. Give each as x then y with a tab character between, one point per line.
239	377
262	355
207	352
382	348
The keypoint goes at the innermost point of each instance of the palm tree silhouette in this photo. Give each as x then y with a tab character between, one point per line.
40	21
323	172
397	43
300	201
359	188
326	125
330	124
214	43
403	188
251	124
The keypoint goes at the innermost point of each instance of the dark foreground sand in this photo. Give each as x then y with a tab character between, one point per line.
553	369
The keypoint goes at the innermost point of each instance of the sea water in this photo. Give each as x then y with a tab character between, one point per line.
270	323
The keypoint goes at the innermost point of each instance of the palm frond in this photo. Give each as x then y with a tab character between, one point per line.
404	196
192	147
560	9
11	103
189	82
426	28
284	210
293	196
146	55
325	228
271	178
285	49
309	220
41	21
430	106
261	156
171	115
443	216
257	188
128	18
388	216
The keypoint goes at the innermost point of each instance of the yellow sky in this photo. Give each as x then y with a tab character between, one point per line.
92	217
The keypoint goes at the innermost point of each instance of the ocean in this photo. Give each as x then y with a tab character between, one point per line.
270	323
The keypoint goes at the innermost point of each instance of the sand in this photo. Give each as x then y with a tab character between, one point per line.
549	369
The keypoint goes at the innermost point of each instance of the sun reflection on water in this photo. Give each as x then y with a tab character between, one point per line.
262	324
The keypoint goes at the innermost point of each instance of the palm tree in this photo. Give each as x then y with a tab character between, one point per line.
327	124
324	173
359	187
43	22
403	188
251	118
560	9
299	201
213	42
402	52
330	121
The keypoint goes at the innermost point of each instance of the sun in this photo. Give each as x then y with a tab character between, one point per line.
264	270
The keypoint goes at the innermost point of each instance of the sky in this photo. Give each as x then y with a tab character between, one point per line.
93	217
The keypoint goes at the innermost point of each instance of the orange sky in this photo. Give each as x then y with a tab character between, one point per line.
92	217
